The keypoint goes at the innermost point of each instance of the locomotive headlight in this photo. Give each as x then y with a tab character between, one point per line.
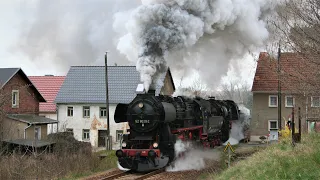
155	145
140	105
124	144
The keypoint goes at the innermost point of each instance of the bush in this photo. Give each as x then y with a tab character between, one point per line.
70	158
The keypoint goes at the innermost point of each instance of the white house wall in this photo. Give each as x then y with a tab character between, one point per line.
94	123
51	128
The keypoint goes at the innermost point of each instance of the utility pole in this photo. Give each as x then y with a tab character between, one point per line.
108	143
293	128
279	88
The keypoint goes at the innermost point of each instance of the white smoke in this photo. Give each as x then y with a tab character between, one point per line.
204	35
121	168
64	33
239	126
193	159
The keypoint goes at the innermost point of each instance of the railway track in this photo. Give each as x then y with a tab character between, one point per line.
132	176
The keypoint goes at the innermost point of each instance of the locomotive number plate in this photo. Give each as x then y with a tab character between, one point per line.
142	121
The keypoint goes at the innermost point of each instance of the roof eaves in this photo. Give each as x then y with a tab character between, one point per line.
18	119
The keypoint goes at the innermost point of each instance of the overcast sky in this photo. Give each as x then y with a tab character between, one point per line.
22	46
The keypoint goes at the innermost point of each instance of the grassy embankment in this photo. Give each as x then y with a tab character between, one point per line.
279	161
97	165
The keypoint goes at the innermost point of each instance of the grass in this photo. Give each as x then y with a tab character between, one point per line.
110	161
279	161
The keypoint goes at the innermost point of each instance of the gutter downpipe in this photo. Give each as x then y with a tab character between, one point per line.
24	131
57	110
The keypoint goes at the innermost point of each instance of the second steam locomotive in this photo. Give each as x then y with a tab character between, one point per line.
157	122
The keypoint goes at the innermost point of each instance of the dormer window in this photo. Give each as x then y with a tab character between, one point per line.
15	98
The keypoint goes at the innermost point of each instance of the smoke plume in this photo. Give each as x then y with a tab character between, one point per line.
239	126
193	159
72	32
189	34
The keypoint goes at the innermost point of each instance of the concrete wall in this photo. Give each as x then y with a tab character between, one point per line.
13	129
30	132
262	113
94	123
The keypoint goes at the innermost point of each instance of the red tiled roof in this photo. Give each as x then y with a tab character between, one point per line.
48	87
296	70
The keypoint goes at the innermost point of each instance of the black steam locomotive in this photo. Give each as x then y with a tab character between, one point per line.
156	122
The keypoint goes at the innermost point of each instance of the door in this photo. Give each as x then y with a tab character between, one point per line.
273	135
37	133
102	135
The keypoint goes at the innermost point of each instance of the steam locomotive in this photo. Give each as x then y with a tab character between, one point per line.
157	122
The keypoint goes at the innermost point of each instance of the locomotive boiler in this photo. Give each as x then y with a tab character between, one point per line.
157	122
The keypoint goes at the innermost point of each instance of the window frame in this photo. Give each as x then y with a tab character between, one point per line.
88	134
84	108
269	125
312	101
16	104
68	111
286	102
269	101
105	112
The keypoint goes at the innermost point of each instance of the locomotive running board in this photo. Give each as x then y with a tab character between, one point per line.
186	129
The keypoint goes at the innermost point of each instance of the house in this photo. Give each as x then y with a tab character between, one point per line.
48	86
81	100
20	122
298	80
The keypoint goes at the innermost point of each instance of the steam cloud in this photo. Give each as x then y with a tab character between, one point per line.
239	126
64	33
188	34
194	159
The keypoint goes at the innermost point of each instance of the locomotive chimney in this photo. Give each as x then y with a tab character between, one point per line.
152	92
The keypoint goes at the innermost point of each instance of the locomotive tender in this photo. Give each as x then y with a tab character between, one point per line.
156	122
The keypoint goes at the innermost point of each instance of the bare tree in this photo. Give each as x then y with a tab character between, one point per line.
238	91
296	27
197	88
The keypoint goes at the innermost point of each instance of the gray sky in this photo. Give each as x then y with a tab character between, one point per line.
42	38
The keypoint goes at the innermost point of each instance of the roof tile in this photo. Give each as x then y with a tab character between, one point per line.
48	87
296	70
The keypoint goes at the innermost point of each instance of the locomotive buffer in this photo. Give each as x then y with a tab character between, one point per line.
228	146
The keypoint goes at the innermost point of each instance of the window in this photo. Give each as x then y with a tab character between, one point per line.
86	134
315	101
86	111
273	101
289	101
119	134
69	130
103	112
70	111
37	133
15	98
273	125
